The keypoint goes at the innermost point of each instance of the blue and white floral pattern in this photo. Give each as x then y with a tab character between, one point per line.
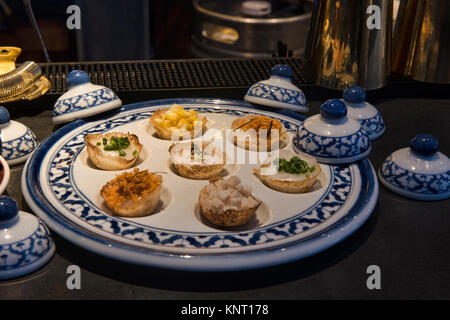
19	147
429	184
331	147
65	190
26	252
265	91
80	102
373	125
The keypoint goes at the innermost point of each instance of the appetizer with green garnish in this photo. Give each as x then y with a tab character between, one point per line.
113	150
289	173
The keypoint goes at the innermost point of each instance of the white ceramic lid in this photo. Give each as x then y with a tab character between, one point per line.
18	141
332	121
358	108
332	137
419	171
25	242
83	99
278	91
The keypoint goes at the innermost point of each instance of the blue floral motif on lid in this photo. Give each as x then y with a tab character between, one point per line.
77	77
282	70
8	209
354	94
333	109
424	144
4	116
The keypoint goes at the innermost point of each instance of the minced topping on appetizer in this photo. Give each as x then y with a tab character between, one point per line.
133	193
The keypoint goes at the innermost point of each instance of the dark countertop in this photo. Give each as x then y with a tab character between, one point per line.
407	239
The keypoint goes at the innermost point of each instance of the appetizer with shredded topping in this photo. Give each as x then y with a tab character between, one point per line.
113	150
133	194
177	124
228	202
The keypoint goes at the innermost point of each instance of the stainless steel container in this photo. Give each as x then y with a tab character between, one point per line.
222	29
422	40
343	47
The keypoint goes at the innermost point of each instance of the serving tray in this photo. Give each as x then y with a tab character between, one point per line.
62	186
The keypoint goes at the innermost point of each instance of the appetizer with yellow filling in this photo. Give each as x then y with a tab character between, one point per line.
178	124
200	161
289	173
113	150
133	194
256	132
227	202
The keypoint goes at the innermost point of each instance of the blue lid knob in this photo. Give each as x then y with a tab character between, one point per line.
424	144
333	109
4	116
77	77
8	209
354	94
282	70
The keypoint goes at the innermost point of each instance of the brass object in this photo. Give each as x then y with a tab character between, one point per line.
421	40
23	82
342	50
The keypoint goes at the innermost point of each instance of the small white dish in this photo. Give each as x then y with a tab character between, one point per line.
278	91
25	242
332	137
358	108
83	99
18	141
5	174
419	171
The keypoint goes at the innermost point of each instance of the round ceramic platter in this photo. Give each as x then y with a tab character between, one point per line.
62	186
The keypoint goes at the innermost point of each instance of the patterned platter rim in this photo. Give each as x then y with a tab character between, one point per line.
355	216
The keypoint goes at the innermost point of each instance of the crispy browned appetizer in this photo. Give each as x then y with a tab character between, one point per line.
113	150
256	132
227	203
200	161
133	194
178	124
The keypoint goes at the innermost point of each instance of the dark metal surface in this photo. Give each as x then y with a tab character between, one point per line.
407	239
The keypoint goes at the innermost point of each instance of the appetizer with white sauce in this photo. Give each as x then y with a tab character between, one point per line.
197	160
256	132
227	202
178	124
133	194
289	173
113	150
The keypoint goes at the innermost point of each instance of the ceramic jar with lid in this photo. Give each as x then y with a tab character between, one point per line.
331	136
278	91
83	99
25	242
358	108
419	171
